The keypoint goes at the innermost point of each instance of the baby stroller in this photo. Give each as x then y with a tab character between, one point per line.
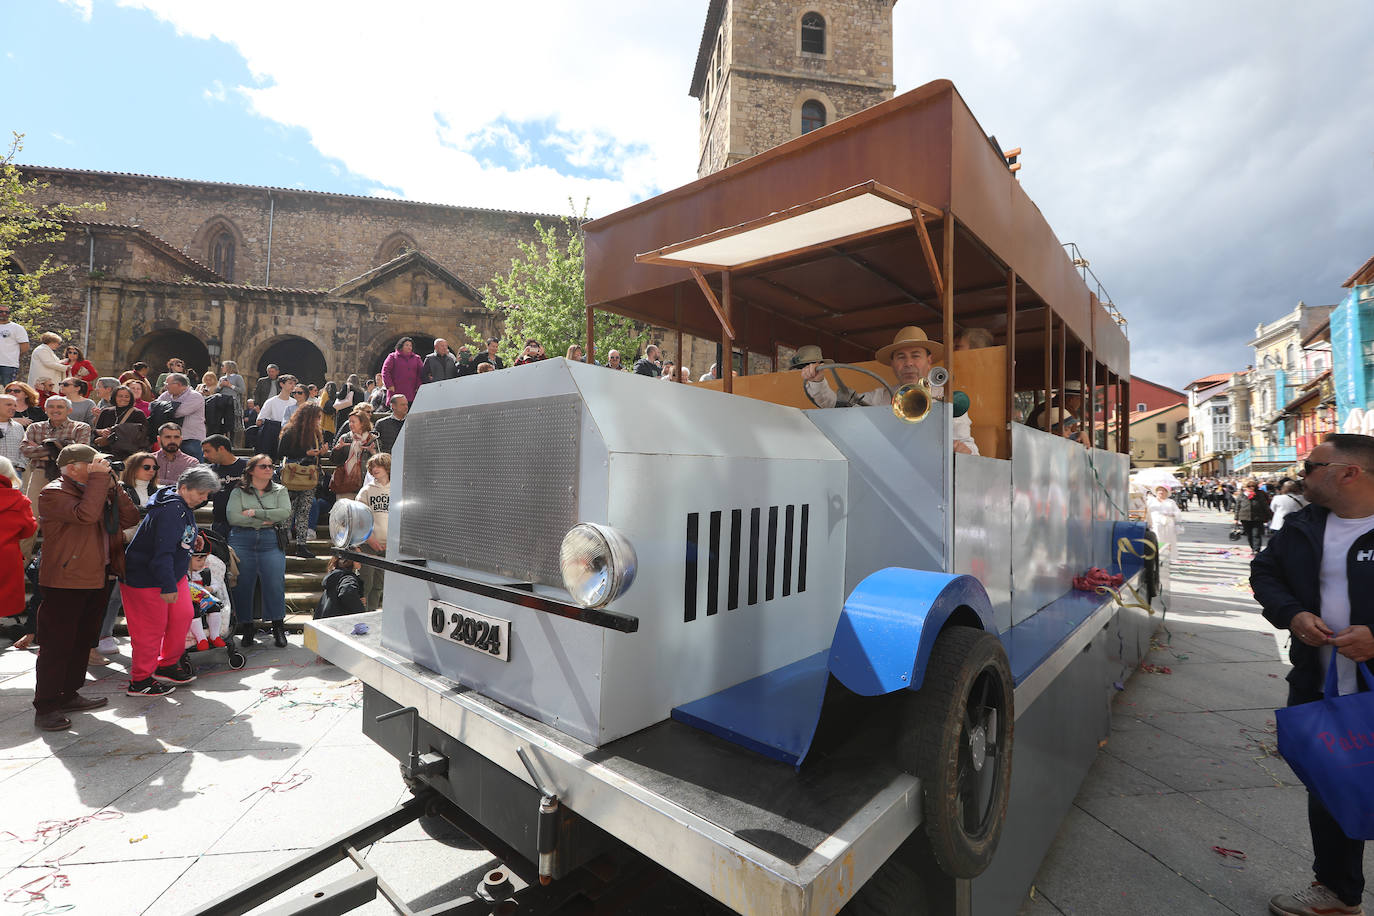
206	603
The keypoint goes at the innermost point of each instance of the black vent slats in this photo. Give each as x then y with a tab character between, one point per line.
794	536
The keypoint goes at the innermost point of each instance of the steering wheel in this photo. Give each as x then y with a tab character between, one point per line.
844	395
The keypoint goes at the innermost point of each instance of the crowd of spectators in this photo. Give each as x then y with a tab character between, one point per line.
101	476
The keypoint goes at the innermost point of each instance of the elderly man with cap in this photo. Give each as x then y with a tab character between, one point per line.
83	513
911	355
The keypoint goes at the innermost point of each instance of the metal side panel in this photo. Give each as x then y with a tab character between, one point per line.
751	832
1041	506
899	489
1109	502
982	528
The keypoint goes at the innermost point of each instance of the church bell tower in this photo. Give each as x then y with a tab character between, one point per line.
771	70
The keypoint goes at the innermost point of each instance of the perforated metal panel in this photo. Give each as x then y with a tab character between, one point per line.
493	487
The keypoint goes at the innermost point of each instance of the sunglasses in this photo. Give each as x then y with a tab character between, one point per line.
147	467
1309	466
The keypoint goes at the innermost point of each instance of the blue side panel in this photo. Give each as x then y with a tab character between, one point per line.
1032	640
890	623
1124	562
774	714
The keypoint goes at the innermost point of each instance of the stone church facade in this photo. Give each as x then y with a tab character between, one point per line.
325	284
322	284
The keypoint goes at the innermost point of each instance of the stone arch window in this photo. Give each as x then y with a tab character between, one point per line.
813	33
395	245
222	254
218	244
812	116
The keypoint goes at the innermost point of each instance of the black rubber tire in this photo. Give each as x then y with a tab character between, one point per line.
894	889
237	660
939	739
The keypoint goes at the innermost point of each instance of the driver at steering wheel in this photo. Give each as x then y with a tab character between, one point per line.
910	355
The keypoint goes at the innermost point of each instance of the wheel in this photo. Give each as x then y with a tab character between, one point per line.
956	736
237	660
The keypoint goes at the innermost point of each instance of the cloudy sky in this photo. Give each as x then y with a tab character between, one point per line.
1214	160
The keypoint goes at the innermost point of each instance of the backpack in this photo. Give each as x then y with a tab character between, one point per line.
220	548
160	412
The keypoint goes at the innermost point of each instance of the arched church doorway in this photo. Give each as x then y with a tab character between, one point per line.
157	347
424	345
296	356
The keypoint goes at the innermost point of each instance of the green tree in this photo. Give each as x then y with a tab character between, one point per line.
543	296
24	221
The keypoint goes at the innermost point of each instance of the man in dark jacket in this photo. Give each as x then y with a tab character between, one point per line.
83	513
649	364
267	386
1313	580
440	365
490	355
389	427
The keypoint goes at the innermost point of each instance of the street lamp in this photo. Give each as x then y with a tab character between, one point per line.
212	347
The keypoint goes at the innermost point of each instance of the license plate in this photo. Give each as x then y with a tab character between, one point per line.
488	635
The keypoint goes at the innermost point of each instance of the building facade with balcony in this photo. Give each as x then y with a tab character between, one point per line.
1281	369
1209	440
1352	352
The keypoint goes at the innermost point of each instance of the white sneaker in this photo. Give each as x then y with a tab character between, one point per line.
1317	900
107	646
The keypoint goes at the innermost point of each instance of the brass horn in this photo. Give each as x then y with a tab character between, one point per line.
912	402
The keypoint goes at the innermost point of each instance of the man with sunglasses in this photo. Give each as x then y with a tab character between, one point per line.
1307	581
14	343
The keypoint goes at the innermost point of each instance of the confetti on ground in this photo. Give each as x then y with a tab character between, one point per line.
272	693
294	781
1150	668
137	839
35	891
48	832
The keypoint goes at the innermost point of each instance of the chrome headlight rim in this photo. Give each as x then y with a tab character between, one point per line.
619	568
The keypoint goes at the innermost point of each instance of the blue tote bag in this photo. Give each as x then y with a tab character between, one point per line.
1329	743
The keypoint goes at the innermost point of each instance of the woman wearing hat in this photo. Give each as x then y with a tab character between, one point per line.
911	355
1073	403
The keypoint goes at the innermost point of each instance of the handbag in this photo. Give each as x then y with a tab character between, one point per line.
126	437
1236	532
300	477
1329	743
283	535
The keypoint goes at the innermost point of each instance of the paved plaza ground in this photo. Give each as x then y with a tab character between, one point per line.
155	806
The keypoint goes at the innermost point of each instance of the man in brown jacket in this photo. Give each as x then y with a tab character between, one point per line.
82	513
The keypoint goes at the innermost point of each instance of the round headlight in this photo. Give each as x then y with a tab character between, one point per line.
598	564
350	523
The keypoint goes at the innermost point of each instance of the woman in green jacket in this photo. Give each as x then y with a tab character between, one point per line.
255	510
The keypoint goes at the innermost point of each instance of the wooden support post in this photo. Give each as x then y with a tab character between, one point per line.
711	300
680	361
727	341
947	297
1011	352
1049	361
1060	394
591	329
1124	425
929	251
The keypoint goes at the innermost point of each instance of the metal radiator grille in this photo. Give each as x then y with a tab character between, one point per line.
493	487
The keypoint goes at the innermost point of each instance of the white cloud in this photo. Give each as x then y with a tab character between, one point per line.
1213	161
428	98
215	92
82	7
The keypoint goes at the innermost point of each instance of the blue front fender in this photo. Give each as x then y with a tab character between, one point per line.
890	622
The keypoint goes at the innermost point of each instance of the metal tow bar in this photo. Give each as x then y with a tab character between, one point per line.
546	839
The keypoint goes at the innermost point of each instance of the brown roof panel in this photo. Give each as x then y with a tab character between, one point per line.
850	294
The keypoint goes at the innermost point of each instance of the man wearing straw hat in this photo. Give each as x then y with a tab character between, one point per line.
911	354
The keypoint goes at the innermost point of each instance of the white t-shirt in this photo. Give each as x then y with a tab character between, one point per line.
12	334
1282	505
276	409
1341	534
377	497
